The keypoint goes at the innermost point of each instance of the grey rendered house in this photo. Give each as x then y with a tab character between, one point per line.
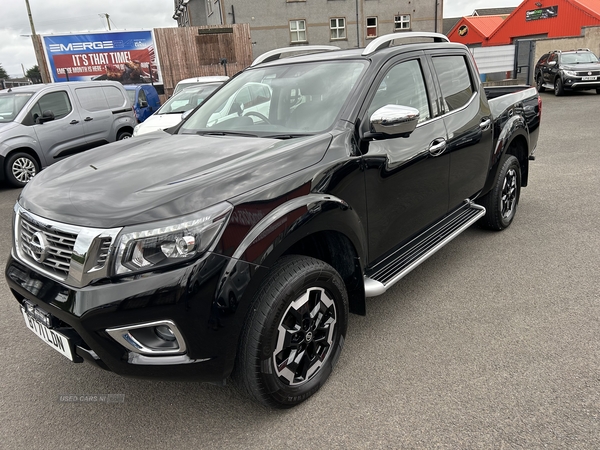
344	23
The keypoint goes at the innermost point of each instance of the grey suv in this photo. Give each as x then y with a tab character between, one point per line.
43	123
571	70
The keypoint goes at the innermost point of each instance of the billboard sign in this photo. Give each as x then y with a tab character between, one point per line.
125	56
541	13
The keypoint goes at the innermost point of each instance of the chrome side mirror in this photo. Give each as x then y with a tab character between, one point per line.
394	120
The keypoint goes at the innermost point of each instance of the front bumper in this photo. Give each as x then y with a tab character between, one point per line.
206	304
576	83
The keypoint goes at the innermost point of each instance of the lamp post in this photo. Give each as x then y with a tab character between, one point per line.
39	55
107	19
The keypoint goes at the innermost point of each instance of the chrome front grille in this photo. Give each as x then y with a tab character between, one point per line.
587	73
72	254
59	249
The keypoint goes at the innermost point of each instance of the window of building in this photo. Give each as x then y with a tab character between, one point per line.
338	28
456	84
402	22
298	30
371	27
209	7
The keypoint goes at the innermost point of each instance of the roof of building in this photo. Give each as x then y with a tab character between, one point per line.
449	23
492	11
589	7
485	25
592	5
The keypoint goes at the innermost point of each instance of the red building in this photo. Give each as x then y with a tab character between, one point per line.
546	19
472	30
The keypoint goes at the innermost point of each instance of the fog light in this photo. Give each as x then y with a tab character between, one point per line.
164	332
151	338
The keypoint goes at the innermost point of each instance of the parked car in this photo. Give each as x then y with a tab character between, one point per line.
238	249
43	123
171	112
570	70
198	80
144	99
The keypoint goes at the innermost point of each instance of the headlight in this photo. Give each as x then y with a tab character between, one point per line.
570	73
171	241
136	129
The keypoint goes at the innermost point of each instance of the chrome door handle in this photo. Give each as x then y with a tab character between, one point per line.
437	147
485	125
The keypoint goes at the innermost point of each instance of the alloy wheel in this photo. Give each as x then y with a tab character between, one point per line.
23	169
305	337
509	194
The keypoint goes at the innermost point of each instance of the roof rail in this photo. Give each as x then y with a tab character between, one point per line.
385	41
583	50
276	54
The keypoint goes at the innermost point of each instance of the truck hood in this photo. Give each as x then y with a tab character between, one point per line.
159	176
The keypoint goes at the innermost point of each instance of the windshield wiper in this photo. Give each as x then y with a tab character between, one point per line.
286	136
224	133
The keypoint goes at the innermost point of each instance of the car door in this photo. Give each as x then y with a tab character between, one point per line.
96	114
406	177
61	136
468	122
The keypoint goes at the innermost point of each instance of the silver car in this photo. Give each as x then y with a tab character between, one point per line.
43	123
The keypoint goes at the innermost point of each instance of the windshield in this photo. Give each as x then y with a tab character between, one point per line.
11	104
579	58
291	99
187	99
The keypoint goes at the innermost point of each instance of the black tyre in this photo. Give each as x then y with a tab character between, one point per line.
598	91
539	83
501	202
558	87
294	332
123	135
20	168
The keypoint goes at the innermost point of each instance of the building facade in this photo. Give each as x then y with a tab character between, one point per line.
283	23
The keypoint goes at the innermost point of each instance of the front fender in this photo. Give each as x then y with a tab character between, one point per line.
295	219
21	141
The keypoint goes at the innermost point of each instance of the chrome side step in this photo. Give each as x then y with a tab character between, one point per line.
392	269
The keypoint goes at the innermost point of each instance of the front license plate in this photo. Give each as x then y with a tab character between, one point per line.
54	339
589	78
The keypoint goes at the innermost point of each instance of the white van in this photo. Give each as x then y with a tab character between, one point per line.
198	80
43	123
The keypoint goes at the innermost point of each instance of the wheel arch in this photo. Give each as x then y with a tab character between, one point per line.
514	140
126	128
321	226
28	150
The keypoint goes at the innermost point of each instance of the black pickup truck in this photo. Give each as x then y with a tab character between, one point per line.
236	245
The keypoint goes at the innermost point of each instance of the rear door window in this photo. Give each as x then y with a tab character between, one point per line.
455	80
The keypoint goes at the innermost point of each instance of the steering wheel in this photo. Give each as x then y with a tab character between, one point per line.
257	114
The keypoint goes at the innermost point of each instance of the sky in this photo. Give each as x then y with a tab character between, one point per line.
65	16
